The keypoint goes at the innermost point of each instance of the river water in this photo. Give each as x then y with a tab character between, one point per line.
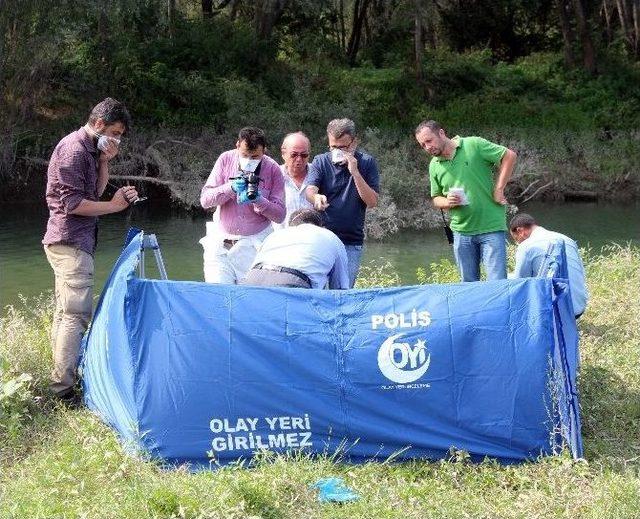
24	269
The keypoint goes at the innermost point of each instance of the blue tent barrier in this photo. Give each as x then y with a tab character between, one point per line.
189	372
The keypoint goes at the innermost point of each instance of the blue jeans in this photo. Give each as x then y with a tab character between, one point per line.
354	256
490	247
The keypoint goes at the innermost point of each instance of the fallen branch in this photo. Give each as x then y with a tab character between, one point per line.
524	192
590	196
137	178
537	191
176	141
35	161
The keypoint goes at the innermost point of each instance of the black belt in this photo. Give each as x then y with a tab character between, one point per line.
277	268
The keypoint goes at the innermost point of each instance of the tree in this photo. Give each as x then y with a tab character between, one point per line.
359	13
418	42
343	32
629	16
568	37
588	50
266	15
207	8
171	17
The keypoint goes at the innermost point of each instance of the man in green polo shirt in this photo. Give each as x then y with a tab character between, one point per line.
462	182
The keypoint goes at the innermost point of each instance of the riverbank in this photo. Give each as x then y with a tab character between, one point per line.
576	135
65	463
171	168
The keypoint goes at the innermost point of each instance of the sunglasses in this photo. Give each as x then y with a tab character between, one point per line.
295	155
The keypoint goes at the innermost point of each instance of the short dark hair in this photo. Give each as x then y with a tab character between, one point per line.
111	111
305	216
254	137
434	126
522	220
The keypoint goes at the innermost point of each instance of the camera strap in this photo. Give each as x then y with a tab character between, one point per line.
444	220
447	229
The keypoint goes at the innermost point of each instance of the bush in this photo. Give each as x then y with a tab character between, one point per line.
29	324
172	80
444	271
535	92
449	75
16	399
377	275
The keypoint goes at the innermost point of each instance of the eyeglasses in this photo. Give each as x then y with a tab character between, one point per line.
343	147
295	155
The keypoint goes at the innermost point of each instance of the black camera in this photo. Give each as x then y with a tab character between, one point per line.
252	180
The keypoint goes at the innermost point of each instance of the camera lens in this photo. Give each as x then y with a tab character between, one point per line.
252	186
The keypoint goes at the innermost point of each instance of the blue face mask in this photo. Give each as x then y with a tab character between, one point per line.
248	165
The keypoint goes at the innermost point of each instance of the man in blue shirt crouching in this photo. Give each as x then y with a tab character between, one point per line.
533	241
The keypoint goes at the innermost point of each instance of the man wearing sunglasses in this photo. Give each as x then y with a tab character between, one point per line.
295	153
343	183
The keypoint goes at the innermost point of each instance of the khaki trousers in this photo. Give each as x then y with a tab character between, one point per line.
73	269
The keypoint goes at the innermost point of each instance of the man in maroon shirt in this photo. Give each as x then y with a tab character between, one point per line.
77	176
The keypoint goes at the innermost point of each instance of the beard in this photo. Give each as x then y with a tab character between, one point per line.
437	151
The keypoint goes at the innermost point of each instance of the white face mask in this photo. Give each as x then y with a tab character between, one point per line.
337	156
248	165
103	141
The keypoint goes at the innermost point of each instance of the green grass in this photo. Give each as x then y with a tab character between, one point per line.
66	463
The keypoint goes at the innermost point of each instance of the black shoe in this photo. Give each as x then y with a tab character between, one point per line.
70	398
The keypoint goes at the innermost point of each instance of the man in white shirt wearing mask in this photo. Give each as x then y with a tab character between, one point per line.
295	153
533	241
247	189
303	255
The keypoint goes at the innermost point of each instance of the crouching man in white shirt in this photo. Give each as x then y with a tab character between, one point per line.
533	241
303	255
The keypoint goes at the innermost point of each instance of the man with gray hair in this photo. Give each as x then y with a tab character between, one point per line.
343	183
295	153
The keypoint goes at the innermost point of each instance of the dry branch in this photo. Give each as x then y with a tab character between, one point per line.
138	178
537	191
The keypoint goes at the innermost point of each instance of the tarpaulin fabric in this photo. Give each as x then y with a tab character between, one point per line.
205	374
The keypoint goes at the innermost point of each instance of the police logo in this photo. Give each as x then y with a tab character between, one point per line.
402	363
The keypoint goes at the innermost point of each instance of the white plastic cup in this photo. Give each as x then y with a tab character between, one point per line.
459	192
